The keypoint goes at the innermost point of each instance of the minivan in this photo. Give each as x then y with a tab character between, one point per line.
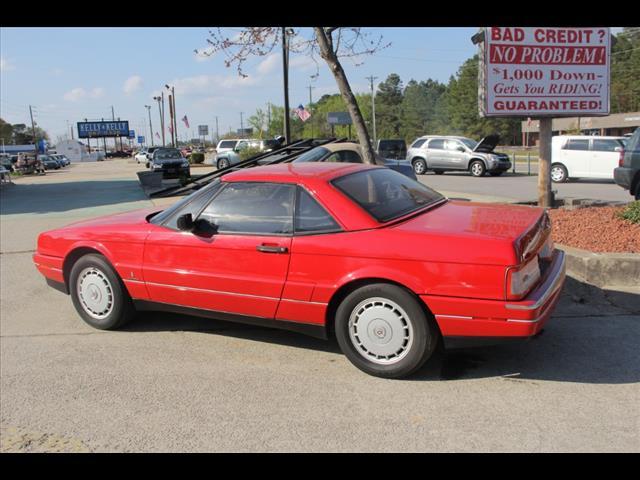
584	156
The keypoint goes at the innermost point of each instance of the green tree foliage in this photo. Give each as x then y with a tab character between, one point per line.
388	107
19	133
625	71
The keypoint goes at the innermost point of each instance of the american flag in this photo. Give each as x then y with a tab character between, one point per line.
186	121
302	113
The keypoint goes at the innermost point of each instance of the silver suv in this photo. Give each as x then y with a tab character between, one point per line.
449	153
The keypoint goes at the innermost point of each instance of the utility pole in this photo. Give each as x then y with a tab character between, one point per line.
217	131
373	109
160	101
241	126
545	195
269	118
285	73
33	128
148	107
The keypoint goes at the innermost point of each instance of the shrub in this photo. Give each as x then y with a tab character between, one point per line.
196	158
249	152
631	212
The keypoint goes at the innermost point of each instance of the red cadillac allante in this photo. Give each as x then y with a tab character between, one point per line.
387	265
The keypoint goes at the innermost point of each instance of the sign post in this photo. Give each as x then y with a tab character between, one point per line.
544	72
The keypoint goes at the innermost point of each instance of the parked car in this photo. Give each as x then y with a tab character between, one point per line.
61	159
627	174
5	161
350	152
228	151
384	263
144	155
583	156
392	149
170	162
118	154
450	153
49	162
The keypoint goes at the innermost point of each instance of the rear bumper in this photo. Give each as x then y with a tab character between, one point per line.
492	320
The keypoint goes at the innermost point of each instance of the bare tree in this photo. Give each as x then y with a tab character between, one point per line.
330	43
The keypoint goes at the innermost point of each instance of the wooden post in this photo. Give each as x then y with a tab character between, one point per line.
545	198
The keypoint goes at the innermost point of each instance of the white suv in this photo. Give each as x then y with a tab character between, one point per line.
582	156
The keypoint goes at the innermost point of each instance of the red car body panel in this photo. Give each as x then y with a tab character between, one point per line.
454	256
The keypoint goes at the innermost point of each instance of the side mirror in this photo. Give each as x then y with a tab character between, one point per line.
185	223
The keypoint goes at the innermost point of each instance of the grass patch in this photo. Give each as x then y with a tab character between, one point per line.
631	212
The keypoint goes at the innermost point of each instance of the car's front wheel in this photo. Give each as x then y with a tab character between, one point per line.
382	330
98	293
223	163
477	168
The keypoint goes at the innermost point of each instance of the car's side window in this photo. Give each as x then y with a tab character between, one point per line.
453	145
347	156
436	144
576	144
418	143
605	145
311	217
252	208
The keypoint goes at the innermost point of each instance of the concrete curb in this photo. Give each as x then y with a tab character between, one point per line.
603	269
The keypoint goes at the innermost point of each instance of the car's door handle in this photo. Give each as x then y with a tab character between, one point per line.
271	249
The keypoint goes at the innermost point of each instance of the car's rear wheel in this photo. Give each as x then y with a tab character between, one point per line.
98	293
382	330
419	166
477	168
559	173
223	163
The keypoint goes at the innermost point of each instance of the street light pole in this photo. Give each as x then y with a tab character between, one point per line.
373	108
285	74
148	107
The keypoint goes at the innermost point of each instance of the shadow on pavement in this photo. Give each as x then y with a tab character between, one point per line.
592	338
65	196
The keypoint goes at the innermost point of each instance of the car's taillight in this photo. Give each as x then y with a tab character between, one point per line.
621	158
521	279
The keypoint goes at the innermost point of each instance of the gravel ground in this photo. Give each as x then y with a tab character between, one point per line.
598	229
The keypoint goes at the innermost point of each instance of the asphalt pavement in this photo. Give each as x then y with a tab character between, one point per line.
177	383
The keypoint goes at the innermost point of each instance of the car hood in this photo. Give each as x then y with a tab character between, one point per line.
487	144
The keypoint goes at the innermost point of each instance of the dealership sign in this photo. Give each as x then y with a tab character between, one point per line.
544	71
203	130
103	129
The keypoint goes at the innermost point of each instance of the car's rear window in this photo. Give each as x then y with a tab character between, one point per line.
227	144
386	194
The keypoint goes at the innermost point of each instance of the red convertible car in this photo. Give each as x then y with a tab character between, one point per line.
384	263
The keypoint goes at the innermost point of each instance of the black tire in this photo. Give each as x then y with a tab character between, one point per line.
120	310
222	163
419	166
559	173
477	168
423	338
637	195
438	172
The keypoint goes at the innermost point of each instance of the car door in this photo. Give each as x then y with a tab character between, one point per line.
575	155
436	153
236	261
454	155
604	157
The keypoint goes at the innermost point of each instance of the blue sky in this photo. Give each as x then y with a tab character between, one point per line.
69	74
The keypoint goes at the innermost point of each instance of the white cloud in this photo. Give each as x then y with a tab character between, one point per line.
208	84
270	64
6	65
80	93
132	84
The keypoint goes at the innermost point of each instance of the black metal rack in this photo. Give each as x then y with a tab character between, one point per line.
286	153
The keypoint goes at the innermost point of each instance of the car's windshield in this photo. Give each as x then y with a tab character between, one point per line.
167	153
469	143
313	155
161	217
386	194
